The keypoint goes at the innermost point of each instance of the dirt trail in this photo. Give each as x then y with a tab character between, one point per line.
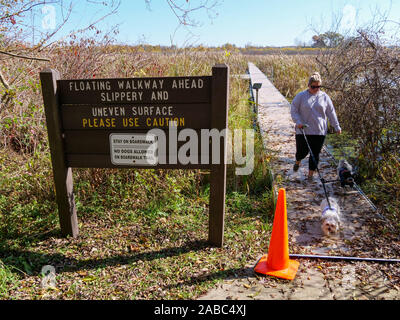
316	279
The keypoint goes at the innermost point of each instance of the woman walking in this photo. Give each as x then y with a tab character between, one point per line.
312	107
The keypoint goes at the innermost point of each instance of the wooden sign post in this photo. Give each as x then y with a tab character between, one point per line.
219	120
61	172
105	123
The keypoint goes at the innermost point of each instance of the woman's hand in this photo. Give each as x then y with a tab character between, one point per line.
339	132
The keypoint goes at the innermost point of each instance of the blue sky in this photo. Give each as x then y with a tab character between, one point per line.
255	22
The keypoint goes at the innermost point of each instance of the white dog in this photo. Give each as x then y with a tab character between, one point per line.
330	216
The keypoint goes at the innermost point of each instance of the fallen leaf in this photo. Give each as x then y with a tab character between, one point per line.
82	273
89	279
133	248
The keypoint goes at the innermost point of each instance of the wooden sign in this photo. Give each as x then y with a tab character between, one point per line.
105	123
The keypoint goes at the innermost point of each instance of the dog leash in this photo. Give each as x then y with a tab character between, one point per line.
315	162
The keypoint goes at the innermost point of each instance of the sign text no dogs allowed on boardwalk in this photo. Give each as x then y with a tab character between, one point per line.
137	123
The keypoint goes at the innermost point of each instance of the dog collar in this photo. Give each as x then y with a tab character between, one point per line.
327	208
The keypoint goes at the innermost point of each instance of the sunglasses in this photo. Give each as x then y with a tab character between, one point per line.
315	87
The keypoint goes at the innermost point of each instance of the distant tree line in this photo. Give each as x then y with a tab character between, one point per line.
328	39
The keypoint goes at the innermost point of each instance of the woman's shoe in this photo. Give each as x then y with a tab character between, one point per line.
310	178
296	167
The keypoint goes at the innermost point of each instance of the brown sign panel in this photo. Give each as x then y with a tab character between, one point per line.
98	142
135	90
92	149
135	117
104	161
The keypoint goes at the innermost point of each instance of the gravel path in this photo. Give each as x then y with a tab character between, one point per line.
360	235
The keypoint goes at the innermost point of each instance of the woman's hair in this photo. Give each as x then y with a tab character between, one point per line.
315	77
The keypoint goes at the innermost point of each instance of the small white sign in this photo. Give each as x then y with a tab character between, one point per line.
133	149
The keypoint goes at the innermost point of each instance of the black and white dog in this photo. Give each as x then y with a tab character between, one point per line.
345	173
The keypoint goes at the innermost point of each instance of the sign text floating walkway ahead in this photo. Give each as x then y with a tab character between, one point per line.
110	123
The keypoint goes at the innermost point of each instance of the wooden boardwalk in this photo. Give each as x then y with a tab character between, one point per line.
304	225
270	101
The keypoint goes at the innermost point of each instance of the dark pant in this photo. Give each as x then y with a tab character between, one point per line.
316	142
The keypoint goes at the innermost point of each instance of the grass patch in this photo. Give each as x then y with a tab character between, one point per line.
9	281
149	257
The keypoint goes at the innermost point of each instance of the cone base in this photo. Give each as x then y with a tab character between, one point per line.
288	273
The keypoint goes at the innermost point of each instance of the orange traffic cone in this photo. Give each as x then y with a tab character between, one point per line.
276	262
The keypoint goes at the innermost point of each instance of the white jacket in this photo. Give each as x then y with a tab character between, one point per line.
314	110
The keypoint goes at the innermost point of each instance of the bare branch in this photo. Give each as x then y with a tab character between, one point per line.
4	81
183	11
26	8
23	57
323	64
